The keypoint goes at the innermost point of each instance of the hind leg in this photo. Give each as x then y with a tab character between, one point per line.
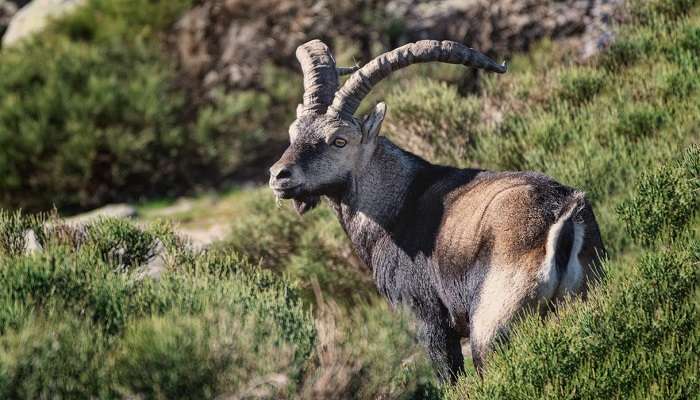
444	349
503	296
483	337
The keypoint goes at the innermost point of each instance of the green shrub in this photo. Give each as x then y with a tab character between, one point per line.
13	229
91	111
646	11
431	119
203	357
325	257
665	200
312	249
640	121
627	50
680	84
120	243
272	246
580	85
239	322
61	358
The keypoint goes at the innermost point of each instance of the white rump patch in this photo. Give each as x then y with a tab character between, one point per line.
573	277
551	284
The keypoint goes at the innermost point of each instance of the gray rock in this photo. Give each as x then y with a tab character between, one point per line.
34	16
108	211
31	243
157	263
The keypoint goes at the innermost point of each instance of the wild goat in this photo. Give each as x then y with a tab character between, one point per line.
466	250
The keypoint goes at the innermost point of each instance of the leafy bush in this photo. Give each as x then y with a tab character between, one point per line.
313	249
665	199
119	242
234	322
175	357
640	121
91	111
580	85
431	119
628	50
61	358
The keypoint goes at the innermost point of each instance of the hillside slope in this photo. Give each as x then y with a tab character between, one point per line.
281	308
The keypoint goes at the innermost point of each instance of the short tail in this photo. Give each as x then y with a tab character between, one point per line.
564	245
560	267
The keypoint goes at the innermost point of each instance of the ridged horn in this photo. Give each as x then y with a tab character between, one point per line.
320	75
350	95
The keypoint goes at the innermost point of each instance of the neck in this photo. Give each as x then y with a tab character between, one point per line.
370	205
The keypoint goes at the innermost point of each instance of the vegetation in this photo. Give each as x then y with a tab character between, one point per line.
281	308
91	111
200	329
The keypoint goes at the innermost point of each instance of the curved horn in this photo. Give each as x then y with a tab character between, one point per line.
320	75
349	97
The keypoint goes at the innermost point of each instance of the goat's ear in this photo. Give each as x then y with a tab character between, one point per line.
372	123
300	109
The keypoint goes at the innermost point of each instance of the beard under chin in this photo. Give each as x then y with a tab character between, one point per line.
305	204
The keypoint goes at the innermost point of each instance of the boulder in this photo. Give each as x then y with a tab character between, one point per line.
34	16
503	26
223	43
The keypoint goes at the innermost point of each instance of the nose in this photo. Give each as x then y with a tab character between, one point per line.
281	172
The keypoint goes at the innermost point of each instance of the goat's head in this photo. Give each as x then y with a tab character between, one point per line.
328	144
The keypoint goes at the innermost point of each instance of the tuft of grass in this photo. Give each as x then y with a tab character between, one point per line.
640	121
14	227
581	85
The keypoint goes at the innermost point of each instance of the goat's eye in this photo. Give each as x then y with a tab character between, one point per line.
340	142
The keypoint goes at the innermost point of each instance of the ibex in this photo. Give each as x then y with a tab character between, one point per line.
465	250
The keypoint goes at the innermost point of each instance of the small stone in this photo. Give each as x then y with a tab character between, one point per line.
108	211
157	263
31	243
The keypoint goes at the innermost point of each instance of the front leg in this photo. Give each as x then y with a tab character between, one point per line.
444	349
